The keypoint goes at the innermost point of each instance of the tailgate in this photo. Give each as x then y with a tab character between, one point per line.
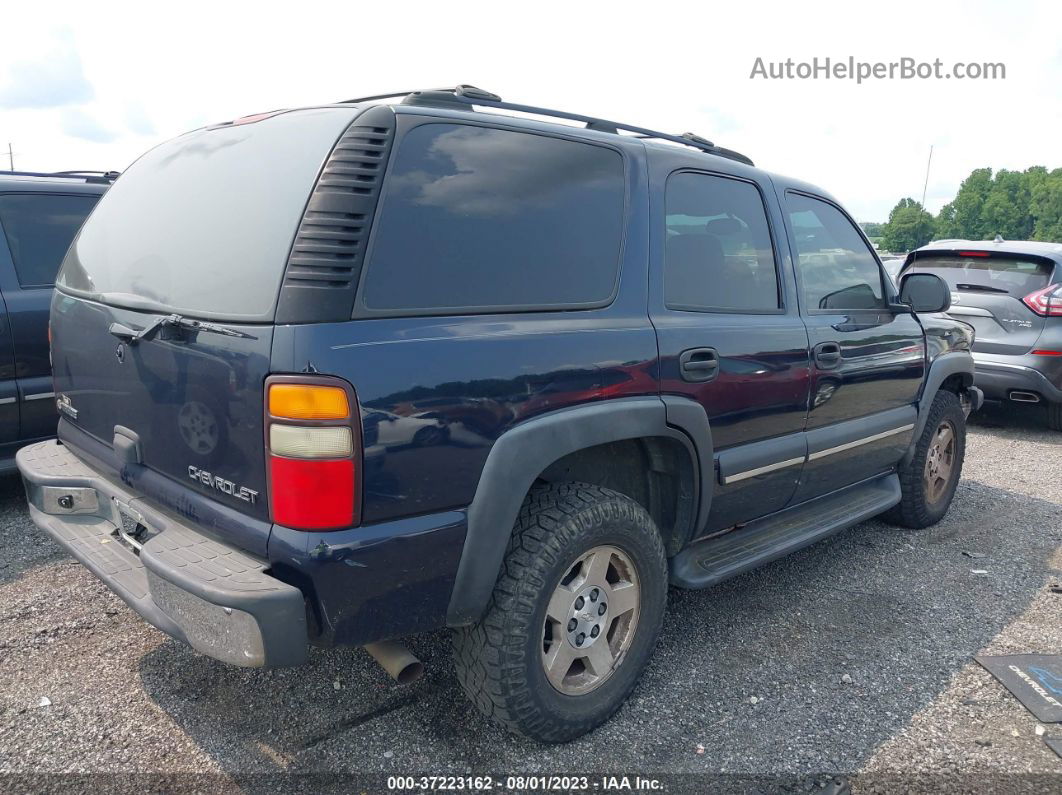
198	230
1002	324
194	400
987	291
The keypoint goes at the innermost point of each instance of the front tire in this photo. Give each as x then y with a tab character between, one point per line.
928	481
573	618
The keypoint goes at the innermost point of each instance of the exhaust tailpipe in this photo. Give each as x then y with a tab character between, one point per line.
397	660
1025	397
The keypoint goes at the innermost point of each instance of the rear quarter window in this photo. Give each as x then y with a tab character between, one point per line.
39	228
476	219
1015	276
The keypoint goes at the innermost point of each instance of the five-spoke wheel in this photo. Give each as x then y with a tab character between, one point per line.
590	621
574	616
940	460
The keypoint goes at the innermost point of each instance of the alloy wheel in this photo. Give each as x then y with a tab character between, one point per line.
590	620
940	461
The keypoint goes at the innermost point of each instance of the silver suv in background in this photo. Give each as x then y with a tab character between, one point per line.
1011	293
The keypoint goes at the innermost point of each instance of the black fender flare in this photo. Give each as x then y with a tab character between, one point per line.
940	370
523	452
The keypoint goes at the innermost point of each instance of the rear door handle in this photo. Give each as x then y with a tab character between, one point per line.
827	355
699	364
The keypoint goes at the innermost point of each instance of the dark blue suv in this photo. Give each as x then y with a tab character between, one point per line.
342	374
39	216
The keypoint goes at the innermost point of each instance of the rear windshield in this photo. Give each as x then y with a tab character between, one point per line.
202	224
1016	277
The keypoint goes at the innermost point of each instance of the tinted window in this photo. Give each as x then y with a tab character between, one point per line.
481	219
837	270
202	225
39	228
1016	277
718	251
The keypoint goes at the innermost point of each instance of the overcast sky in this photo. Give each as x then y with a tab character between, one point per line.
93	85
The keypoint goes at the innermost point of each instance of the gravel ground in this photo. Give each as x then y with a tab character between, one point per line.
851	657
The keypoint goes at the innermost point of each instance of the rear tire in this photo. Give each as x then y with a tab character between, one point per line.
574	549
928	481
1054	416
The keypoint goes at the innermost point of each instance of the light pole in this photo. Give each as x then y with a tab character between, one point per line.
924	186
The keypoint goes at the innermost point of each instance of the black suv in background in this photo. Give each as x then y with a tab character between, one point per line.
1010	291
439	365
39	216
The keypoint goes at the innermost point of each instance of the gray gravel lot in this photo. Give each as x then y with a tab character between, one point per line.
853	655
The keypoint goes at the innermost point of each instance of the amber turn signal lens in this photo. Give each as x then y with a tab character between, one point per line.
308	402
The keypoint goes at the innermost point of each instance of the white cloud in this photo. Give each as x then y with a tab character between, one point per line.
78	124
51	78
675	67
137	119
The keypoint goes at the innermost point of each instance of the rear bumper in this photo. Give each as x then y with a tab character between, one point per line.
999	379
209	595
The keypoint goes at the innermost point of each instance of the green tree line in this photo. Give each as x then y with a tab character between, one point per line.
1018	205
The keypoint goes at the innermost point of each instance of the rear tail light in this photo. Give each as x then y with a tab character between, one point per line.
308	402
312	448
296	442
1046	302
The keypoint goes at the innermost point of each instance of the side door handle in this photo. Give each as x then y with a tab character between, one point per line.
827	355
699	364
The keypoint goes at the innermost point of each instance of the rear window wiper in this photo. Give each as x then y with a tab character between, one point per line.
983	288
186	324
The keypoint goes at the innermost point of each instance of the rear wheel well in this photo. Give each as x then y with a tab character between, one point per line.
656	472
956	383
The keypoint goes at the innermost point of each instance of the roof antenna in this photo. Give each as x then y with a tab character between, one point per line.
999	238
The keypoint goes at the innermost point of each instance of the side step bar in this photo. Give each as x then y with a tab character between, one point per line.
713	560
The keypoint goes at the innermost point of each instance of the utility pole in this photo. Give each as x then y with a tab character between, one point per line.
925	186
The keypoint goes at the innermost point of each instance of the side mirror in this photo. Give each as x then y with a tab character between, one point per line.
925	292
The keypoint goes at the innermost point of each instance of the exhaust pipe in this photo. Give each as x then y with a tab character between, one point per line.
1025	397
397	660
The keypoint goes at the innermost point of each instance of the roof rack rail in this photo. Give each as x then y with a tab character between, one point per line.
464	96
101	177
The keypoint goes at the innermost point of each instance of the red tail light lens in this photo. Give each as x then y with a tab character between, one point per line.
312	495
313	449
1046	302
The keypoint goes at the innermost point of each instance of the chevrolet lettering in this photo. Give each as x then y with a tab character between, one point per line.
222	485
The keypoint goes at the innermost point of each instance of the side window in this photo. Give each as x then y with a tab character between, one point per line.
476	219
837	270
718	248
39	228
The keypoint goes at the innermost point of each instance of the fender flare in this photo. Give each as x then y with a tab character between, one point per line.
522	453
942	368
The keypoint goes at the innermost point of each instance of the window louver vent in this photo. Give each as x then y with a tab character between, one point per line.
329	248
